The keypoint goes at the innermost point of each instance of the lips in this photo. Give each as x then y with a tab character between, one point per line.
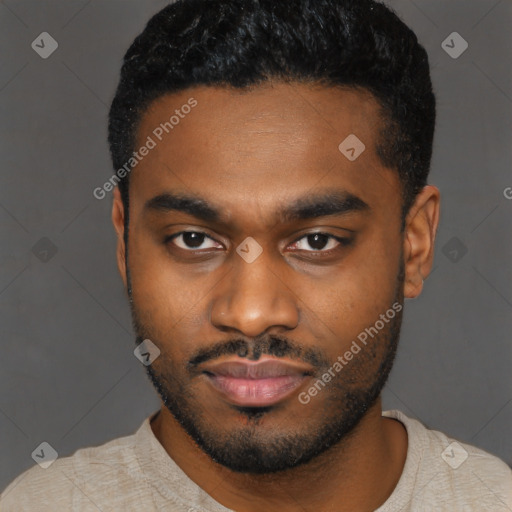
260	383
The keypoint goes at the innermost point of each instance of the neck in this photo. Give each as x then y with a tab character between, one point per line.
358	473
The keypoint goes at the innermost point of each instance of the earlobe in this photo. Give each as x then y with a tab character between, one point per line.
118	222
419	239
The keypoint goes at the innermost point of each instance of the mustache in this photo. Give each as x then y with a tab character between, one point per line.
276	346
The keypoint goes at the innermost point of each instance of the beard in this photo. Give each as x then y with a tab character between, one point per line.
259	444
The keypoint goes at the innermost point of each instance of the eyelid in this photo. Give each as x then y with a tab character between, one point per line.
342	241
171	238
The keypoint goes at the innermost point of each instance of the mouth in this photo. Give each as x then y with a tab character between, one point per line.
261	383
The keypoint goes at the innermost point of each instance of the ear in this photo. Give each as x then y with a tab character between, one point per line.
118	214
419	237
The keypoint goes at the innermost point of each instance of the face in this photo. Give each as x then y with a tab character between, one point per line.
254	239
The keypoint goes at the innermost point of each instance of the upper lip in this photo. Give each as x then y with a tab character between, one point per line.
262	369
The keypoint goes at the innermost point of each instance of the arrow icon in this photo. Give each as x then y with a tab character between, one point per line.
351	147
249	249
454	45
44	45
146	352
454	455
454	250
44	249
44	455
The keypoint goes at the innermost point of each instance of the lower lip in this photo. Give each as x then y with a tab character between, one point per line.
256	392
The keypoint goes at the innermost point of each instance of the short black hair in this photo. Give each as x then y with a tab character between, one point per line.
361	44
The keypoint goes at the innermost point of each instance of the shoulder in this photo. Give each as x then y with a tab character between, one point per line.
68	481
445	472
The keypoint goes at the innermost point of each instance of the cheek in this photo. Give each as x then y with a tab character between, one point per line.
160	294
354	294
170	302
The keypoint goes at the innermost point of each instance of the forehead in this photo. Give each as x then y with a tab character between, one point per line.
262	145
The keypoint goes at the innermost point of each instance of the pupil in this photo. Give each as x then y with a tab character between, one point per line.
193	239
317	239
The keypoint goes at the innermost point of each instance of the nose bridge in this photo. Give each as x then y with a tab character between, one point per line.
253	298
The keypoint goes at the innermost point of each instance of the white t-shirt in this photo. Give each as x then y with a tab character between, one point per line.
135	473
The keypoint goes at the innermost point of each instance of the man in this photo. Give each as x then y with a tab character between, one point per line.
272	213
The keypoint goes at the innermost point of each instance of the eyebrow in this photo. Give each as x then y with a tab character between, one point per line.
310	206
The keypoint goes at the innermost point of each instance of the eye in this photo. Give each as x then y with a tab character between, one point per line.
191	240
320	242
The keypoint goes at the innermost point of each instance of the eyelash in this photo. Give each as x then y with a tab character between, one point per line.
343	242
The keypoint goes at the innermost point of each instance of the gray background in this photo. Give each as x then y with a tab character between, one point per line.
68	373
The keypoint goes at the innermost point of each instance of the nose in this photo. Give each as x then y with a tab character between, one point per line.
252	298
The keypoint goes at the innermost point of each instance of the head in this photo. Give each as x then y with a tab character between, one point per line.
279	208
